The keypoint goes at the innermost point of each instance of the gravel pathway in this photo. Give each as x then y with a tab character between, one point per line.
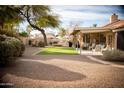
61	71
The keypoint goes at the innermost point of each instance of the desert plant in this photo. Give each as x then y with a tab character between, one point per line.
10	48
41	44
113	55
23	34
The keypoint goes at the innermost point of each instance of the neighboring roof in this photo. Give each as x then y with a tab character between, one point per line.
115	25
50	35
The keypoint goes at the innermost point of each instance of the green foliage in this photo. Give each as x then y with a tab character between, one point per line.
51	21
38	17
9	13
10	48
41	44
58	51
113	55
24	34
62	32
8	33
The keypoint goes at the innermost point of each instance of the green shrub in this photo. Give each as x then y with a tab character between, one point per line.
55	42
24	34
113	55
57	45
41	44
10	48
8	33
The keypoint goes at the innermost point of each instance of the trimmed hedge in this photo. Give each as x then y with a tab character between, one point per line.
41	44
113	55
10	48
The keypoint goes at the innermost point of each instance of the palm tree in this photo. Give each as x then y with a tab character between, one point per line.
39	17
9	14
62	32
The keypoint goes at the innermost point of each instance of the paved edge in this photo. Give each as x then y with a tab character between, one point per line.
40	49
104	62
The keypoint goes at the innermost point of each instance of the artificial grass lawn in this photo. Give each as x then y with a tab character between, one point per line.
58	51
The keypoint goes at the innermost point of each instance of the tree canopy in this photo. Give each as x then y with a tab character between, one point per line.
39	17
9	15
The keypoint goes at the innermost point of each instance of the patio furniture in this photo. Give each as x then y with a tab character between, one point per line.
92	46
99	47
85	46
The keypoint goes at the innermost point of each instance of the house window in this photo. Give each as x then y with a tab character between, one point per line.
110	39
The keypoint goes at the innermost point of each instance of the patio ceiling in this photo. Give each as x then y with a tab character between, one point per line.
94	30
90	30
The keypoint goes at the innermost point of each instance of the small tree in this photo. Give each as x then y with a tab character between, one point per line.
62	32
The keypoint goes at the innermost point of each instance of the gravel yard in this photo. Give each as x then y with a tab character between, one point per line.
61	71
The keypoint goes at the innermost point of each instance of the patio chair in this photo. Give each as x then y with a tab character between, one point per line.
97	48
86	46
102	47
92	46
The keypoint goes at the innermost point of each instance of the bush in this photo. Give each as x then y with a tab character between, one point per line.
41	44
113	55
23	34
55	42
57	45
10	48
8	33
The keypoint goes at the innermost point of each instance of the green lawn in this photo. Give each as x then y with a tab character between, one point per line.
58	51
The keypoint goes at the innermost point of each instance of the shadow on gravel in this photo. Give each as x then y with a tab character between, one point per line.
40	71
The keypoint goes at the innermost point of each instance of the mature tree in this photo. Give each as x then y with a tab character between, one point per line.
62	32
39	17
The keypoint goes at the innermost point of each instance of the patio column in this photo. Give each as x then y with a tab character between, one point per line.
106	41
91	38
81	42
116	34
99	38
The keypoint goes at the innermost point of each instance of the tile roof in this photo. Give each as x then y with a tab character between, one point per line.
115	25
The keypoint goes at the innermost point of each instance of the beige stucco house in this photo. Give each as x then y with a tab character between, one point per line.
110	36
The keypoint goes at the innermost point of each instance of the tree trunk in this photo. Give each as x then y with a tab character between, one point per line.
34	26
44	36
39	29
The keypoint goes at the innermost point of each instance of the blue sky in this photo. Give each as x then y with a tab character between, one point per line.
84	15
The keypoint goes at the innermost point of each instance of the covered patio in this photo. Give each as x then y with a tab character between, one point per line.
94	38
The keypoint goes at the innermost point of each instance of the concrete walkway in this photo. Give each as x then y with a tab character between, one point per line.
61	71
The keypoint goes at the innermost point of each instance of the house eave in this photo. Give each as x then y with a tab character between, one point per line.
119	29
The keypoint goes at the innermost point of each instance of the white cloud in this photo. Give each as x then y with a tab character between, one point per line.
98	14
